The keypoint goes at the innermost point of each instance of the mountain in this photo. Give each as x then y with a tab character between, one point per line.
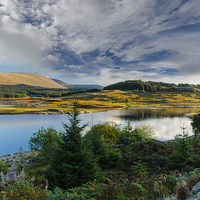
32	79
70	86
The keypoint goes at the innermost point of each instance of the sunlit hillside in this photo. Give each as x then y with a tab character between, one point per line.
33	79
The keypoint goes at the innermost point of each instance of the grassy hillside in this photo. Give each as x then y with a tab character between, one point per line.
32	79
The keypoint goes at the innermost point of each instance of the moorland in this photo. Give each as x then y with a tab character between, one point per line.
108	162
33	100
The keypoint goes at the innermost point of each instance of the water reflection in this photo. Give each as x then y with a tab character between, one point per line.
16	130
138	114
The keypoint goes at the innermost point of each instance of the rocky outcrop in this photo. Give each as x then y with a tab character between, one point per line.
195	192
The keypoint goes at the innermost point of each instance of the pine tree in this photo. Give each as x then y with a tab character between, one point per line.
71	165
107	157
182	155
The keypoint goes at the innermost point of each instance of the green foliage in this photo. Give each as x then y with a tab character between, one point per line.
139	133
122	196
196	128
196	123
21	90
22	160
144	132
71	164
106	157
22	189
90	190
135	85
181	156
44	141
108	131
3	167
139	167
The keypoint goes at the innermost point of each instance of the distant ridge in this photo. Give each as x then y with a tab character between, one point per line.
71	86
32	79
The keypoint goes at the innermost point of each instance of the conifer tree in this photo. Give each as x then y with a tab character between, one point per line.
107	157
182	155
71	165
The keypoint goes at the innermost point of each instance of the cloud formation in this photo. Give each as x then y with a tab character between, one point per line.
103	41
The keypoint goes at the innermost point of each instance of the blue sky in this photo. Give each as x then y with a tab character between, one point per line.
102	41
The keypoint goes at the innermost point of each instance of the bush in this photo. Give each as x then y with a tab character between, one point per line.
182	155
106	157
3	167
44	141
22	160
139	133
22	189
108	131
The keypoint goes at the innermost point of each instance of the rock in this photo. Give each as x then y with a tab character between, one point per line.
33	165
33	160
195	192
125	140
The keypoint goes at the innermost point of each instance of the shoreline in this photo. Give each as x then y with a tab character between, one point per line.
61	112
13	159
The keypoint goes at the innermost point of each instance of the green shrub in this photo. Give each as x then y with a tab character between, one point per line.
3	167
22	160
138	133
107	157
182	155
22	189
44	141
139	167
108	131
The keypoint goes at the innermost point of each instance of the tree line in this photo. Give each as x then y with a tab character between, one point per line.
20	91
149	86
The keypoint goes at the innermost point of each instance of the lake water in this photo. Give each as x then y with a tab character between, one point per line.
16	130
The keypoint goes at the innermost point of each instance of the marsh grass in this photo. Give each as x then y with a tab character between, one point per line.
109	99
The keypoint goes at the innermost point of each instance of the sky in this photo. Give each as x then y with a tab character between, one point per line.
102	41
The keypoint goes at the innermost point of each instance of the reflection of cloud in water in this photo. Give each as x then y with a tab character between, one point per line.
16	130
167	128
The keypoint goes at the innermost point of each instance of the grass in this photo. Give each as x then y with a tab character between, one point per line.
107	100
33	79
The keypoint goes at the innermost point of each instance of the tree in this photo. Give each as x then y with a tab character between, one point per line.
44	141
139	133
108	131
181	156
71	164
107	157
196	128
196	123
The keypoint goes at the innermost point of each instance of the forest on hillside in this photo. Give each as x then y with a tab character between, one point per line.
21	91
149	86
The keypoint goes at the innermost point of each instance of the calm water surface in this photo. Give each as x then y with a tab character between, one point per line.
16	130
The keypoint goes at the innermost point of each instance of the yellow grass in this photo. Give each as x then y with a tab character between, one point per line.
107	100
32	79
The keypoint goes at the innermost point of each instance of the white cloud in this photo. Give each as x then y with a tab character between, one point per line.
51	31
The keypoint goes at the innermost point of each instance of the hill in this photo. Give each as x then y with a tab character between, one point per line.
71	86
149	86
32	79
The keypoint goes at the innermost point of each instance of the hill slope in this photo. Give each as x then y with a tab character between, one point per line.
32	79
70	86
